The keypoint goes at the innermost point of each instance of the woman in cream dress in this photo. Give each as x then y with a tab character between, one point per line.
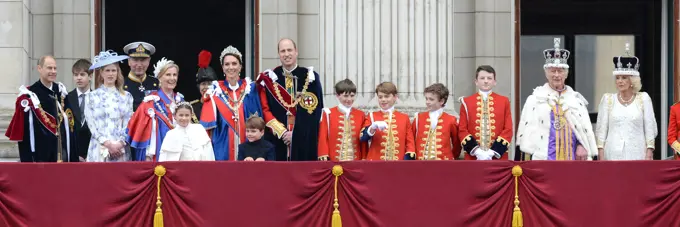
187	141
108	110
626	126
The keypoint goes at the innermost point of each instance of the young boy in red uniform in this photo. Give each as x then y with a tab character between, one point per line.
340	127
388	131
485	120
436	132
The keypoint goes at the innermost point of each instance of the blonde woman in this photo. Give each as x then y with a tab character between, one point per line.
154	116
626	127
108	110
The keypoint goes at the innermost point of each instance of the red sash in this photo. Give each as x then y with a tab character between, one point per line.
270	85
15	131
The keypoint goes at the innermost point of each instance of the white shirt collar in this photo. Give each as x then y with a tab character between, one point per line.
82	93
233	87
289	71
434	116
485	94
344	109
437	112
390	110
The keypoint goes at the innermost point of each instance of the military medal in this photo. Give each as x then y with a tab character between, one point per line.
141	88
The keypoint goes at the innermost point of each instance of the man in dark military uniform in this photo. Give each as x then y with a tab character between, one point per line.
137	82
204	78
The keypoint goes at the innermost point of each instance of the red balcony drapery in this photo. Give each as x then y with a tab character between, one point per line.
406	193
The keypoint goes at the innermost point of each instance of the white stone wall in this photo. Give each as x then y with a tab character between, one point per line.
412	43
38	27
14	49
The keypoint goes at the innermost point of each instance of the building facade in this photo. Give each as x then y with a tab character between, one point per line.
412	43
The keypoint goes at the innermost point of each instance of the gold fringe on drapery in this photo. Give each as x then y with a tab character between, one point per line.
158	216
336	221
517	220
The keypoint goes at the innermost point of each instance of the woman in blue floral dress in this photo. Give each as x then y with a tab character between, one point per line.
108	110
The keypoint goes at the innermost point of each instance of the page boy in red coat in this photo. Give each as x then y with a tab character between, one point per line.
485	120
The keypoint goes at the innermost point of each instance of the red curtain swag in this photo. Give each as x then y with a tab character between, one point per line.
369	194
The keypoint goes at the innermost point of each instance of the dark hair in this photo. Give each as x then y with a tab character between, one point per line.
387	88
184	105
240	62
485	68
255	122
440	90
345	86
82	65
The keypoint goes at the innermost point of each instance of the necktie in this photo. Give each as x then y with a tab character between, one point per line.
81	100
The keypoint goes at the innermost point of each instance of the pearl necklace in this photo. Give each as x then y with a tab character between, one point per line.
625	102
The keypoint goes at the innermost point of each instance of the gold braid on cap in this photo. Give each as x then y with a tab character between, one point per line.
184	104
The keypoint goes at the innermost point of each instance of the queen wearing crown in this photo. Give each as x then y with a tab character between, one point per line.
154	117
554	124
227	105
625	115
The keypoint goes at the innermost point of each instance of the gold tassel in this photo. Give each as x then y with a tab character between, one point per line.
517	220
336	221
158	216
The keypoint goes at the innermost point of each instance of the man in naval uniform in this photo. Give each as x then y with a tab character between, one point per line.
291	105
137	82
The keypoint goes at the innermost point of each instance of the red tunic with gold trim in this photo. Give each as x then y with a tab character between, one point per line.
673	128
485	123
438	143
339	135
392	143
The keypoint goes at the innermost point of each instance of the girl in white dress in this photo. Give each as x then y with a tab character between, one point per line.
108	110
187	141
626	126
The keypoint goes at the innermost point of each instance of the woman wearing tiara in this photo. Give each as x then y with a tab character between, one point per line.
227	105
108	110
626	126
154	116
187	141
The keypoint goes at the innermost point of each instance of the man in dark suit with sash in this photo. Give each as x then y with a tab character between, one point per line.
42	123
82	77
292	101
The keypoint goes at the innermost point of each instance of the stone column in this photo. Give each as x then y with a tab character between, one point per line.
14	49
279	19
407	42
494	38
72	41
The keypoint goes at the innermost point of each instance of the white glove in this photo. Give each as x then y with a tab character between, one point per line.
379	125
483	154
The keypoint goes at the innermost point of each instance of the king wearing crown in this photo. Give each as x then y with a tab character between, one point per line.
554	123
291	102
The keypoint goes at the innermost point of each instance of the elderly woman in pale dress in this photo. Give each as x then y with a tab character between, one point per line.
626	127
108	111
